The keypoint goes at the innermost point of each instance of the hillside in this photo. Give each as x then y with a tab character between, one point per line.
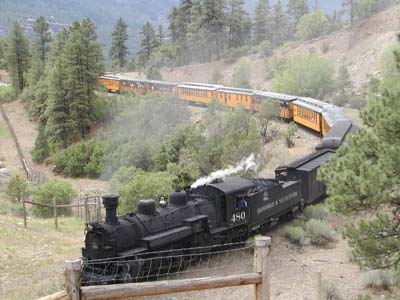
104	13
359	48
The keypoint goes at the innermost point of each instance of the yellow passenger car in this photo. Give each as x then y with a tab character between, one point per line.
197	92
234	96
111	83
308	112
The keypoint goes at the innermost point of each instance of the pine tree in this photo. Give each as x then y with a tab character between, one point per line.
148	43
42	38
295	10
119	50
213	24
262	22
2	53
17	57
59	127
237	20
349	6
364	177
84	60
279	25
160	34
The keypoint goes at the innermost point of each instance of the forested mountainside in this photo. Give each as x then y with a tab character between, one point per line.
105	13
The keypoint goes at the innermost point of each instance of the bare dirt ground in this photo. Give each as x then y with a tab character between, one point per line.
293	273
26	131
359	48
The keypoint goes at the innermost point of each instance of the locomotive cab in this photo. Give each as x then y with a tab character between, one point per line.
230	199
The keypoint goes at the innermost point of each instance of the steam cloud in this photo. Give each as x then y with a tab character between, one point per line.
245	164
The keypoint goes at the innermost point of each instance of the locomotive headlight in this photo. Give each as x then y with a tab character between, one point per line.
95	246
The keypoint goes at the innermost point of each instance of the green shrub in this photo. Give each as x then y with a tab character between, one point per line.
295	235
233	54
289	134
17	189
330	291
54	189
7	94
82	159
265	48
135	184
319	232
317	211
379	278
350	253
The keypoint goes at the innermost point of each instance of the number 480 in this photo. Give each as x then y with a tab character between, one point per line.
239	216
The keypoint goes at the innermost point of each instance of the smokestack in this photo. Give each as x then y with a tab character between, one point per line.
110	203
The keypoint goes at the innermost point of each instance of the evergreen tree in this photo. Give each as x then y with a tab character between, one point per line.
213	24
364	177
348	5
2	53
42	38
17	57
84	60
312	25
262	22
119	50
41	48
279	25
295	10
59	128
160	34
148	43
237	21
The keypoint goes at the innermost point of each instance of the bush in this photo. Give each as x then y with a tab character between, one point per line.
7	94
296	235
350	254
233	54
330	291
82	159
308	76
312	25
17	189
319	232
289	134
379	278
135	184
54	189
265	48
317	211
241	74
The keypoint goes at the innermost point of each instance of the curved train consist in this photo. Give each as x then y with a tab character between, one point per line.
316	115
224	211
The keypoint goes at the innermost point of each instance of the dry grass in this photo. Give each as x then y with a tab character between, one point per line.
32	259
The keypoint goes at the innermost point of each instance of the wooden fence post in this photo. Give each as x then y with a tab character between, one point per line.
87	213
73	279
24	208
318	286
262	266
55	213
98	209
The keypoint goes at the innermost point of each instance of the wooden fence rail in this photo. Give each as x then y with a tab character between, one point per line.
86	205
33	175
260	278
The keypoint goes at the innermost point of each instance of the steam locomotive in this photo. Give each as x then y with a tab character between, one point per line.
225	211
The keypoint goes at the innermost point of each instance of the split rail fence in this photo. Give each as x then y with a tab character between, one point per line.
86	208
35	176
260	278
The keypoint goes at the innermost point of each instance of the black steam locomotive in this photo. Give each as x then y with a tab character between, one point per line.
225	211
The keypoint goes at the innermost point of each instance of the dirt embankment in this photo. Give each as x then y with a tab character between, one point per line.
359	48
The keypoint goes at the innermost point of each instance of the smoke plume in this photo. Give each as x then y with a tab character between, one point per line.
245	164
